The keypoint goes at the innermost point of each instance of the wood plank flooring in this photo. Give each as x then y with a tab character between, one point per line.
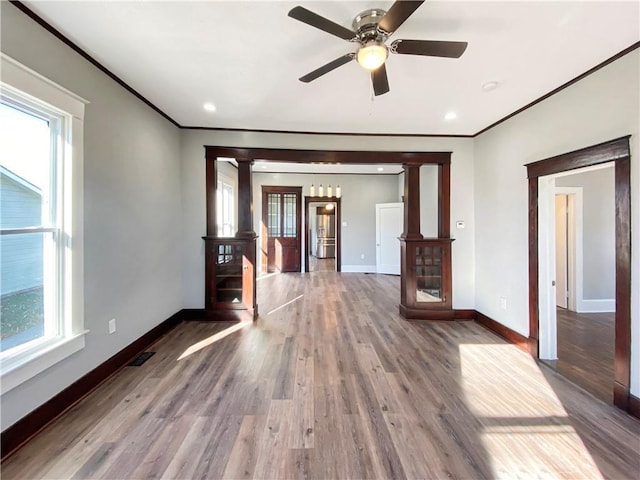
331	383
321	264
586	350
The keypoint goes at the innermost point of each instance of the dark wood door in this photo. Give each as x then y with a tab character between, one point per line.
281	222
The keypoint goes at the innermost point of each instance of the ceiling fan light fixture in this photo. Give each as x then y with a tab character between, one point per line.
372	55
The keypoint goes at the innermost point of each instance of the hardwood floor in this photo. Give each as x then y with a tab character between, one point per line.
331	383
321	264
586	351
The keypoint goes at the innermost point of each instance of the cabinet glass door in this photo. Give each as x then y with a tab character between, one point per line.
429	274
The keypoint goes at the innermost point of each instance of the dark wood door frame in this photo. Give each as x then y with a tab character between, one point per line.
307	201
618	152
409	160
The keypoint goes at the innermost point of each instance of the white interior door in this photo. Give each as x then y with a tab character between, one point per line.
561	251
389	226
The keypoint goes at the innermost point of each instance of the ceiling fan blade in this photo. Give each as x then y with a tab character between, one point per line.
315	20
430	48
397	14
380	80
338	62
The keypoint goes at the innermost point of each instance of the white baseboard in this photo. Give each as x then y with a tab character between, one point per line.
596	306
358	269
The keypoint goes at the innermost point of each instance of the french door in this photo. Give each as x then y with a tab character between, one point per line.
281	234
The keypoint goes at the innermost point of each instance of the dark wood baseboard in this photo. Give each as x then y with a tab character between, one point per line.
465	314
512	336
621	396
419	314
190	314
24	429
634	406
201	314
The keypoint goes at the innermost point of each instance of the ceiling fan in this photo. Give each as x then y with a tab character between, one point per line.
371	29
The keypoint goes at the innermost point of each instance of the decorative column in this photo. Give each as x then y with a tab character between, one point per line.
211	184
411	202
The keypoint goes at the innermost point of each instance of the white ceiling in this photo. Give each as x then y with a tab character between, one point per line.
246	58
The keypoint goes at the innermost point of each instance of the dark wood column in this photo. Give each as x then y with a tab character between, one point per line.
444	200
211	182
245	199
411	202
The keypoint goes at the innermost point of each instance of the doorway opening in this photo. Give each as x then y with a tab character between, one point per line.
322	236
323	249
582	218
542	298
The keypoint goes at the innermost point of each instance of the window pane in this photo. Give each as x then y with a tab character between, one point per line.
290	229
28	261
23	273
273	214
25	168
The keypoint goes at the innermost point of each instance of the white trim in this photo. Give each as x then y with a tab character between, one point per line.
16	75
548	338
358	269
597	305
39	360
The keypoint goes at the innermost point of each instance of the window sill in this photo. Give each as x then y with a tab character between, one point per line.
38	360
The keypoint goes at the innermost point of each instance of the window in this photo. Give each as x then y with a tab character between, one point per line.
41	304
273	215
225	214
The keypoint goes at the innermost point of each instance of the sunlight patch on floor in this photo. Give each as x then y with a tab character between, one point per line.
285	304
523	407
214	338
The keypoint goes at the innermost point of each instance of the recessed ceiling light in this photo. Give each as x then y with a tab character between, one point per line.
487	87
451	116
380	169
209	107
264	167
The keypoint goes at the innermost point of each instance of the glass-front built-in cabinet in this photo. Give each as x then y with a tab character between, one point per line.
228	266
426	292
230	269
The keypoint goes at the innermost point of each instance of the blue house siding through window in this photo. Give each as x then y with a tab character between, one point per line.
20	255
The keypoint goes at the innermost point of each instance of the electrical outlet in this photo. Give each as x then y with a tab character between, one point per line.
362	256
503	303
112	326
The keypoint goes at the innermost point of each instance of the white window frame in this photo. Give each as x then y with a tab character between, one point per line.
229	204
26	87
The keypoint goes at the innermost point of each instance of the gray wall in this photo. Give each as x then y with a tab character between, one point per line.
360	193
132	209
598	229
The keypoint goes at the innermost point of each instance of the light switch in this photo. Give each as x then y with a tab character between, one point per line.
344	224
460	224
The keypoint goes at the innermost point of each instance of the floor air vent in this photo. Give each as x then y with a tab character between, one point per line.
140	359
